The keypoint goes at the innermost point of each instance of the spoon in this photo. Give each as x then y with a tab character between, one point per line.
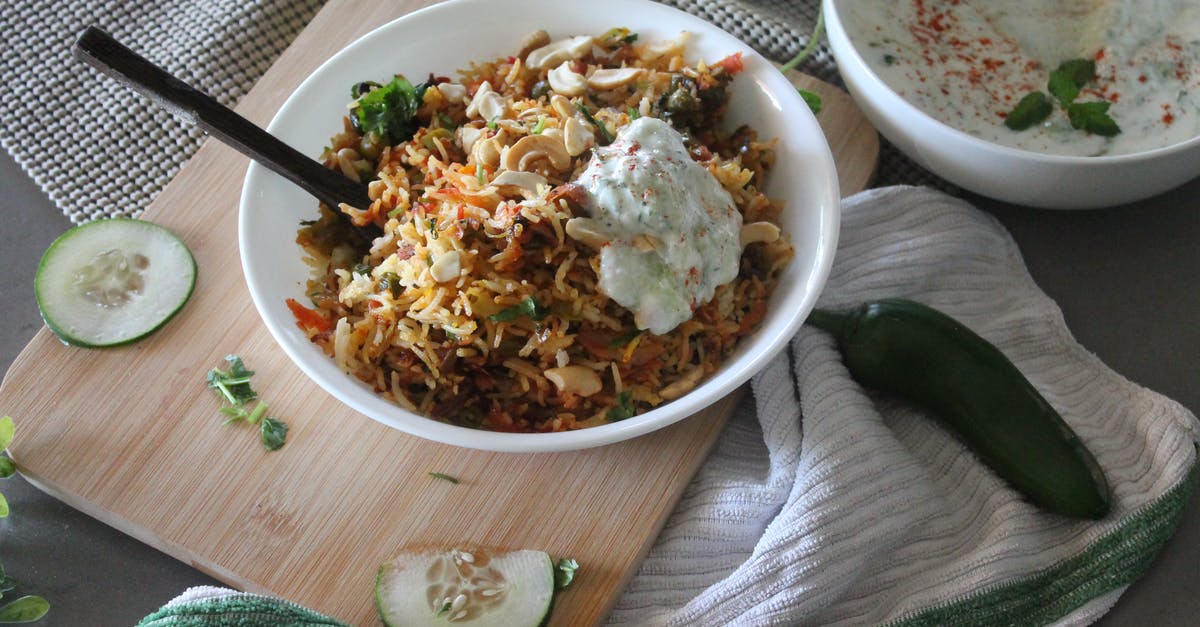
99	50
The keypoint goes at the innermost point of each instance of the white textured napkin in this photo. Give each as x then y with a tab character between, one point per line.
824	503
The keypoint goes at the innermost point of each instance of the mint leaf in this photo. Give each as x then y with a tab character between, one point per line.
7	467
1066	81
1093	117
1062	88
7	429
1030	110
1079	71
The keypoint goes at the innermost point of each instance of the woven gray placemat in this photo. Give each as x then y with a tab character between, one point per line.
123	150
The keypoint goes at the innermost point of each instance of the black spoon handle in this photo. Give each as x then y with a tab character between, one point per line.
99	50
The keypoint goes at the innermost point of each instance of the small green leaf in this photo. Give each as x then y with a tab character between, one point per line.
7	467
24	610
274	434
1062	88
444	477
1031	109
3	506
564	572
1079	71
7	428
528	307
234	385
623	409
1093	117
813	100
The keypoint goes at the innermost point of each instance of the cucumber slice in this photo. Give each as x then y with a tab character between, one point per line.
457	587
113	281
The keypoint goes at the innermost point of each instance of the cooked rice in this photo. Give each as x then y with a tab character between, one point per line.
454	349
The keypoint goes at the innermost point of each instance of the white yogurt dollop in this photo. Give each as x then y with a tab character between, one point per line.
672	229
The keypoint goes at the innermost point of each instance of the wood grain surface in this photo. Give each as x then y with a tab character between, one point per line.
133	437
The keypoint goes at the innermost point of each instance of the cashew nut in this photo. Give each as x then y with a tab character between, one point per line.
531	149
533	41
566	81
487	104
467	136
554	53
524	180
487	152
611	78
586	231
562	106
577	137
579	380
454	92
758	232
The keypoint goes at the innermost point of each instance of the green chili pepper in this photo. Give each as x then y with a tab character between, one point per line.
913	351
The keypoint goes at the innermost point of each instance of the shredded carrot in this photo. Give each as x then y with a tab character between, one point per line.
308	319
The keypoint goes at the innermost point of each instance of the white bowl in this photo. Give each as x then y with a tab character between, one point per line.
445	37
1017	176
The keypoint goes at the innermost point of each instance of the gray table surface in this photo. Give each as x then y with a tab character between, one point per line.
1127	280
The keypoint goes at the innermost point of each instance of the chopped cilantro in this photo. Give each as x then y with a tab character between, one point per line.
528	308
604	133
234	384
234	387
390	110
564	572
623	409
444	477
812	99
274	434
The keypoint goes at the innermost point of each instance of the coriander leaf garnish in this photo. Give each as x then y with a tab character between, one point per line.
234	386
812	99
564	572
1092	117
444	477
274	434
1031	109
623	409
390	110
528	307
604	132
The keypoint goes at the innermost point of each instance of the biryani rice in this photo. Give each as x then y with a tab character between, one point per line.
475	290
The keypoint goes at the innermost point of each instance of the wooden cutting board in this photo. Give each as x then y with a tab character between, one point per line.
132	436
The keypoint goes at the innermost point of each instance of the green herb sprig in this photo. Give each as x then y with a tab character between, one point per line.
1064	85
812	99
28	608
564	572
233	385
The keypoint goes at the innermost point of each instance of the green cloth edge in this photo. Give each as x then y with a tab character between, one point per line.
241	610
1117	559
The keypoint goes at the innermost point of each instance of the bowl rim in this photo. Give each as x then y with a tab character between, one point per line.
767	341
837	31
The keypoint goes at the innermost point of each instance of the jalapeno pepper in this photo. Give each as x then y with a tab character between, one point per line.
916	352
